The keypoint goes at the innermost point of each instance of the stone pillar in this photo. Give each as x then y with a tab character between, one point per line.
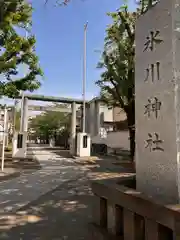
24	116
129	226
151	230
157	81
115	219
88	120
92	119
73	130
97	115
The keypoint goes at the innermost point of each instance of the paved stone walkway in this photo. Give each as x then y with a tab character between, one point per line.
63	212
55	170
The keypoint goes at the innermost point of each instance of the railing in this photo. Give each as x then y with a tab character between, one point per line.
127	214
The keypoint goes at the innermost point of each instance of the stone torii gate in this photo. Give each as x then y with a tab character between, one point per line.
73	102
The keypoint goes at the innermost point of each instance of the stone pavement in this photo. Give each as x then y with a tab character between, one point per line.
63	212
9	173
55	170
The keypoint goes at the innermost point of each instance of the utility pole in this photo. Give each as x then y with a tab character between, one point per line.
84	80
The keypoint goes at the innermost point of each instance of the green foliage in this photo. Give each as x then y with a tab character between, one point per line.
59	2
144	5
48	123
17	50
117	80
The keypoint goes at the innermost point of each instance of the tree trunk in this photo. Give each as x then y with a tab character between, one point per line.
132	142
130	111
131	126
47	138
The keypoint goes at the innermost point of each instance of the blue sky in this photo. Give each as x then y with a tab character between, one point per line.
59	34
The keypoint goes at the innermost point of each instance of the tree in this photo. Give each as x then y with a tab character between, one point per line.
49	123
16	50
144	4
117	80
59	2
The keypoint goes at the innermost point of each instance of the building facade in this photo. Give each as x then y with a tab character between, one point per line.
101	118
9	124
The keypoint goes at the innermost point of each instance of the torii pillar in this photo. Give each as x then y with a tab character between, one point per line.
20	138
73	130
24	116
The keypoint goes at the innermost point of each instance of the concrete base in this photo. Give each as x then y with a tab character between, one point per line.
83	145
19	151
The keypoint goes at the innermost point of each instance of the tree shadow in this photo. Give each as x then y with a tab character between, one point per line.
17	192
63	213
28	164
112	165
64	153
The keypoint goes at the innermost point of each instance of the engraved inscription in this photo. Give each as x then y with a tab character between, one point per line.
151	40
153	106
154	143
153	71
152	74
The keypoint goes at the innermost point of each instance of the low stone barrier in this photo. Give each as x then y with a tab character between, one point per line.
127	214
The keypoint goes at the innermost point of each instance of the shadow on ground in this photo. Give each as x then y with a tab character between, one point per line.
62	153
113	164
63	213
30	164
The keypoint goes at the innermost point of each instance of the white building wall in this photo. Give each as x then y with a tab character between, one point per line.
95	118
8	124
106	113
114	140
